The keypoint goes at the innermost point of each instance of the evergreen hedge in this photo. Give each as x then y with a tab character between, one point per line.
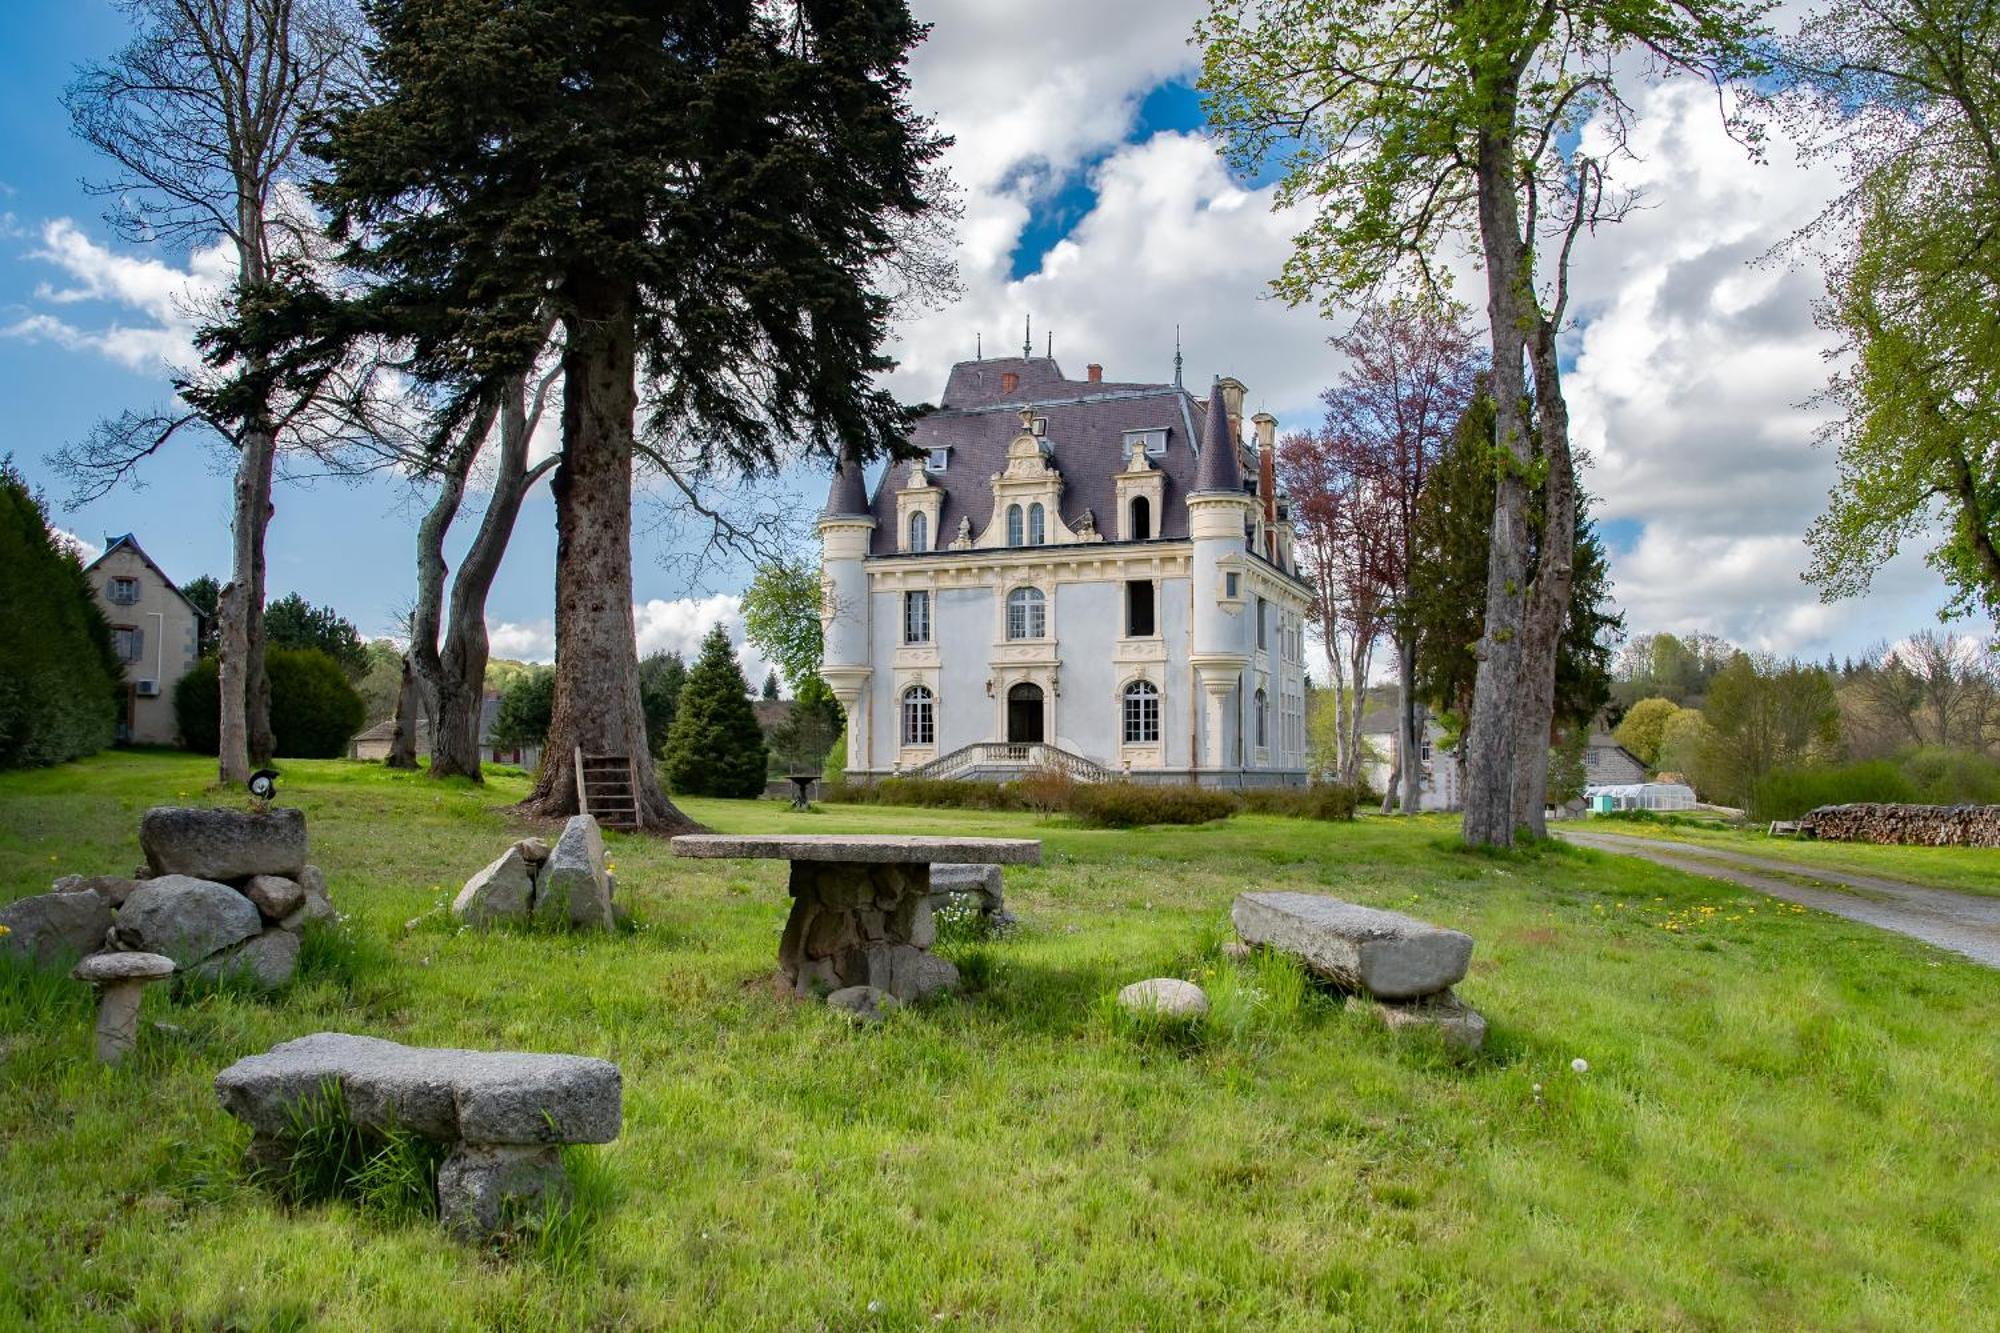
315	710
60	680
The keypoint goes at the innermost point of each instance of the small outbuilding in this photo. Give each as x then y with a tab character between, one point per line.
1611	798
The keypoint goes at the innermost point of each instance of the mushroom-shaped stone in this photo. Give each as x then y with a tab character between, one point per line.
120	979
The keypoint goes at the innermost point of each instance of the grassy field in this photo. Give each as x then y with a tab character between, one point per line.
1969	869
1787	1120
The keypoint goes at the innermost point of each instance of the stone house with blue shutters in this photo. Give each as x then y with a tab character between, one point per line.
1080	574
156	632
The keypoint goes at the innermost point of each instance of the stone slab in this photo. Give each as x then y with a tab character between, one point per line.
482	1187
478	1097
1384	954
858	848
100	968
1462	1027
223	845
185	918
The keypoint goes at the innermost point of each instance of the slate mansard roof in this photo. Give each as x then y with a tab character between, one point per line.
1087	422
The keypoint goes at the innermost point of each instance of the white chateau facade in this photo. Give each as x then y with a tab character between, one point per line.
1077	574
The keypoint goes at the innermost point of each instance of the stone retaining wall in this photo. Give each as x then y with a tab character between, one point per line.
1912	825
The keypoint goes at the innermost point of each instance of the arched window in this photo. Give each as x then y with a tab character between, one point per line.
1014	529
919	716
920	531
1263	720
1037	525
1142	713
1027	614
1142	519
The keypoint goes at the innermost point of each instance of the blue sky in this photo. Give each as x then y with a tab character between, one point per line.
1094	204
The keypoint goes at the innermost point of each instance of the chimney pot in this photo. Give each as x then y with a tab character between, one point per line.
1096	373
1009	381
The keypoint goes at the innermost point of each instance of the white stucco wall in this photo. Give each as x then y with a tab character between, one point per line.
168	642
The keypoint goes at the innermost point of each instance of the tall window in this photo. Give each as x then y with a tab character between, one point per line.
1263	608
124	591
1263	720
1139	608
1015	531
1037	526
1142	713
130	643
920	531
919	716
1142	519
1027	614
916	617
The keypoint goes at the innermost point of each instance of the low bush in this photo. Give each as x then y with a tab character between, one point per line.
1787	793
1321	800
1046	791
939	793
1132	804
315	711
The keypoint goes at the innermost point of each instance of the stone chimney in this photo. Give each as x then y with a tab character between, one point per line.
1096	373
1232	394
1267	479
1009	381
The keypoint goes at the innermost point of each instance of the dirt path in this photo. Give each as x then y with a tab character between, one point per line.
1962	922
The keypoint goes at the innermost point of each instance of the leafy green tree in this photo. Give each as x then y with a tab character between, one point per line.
382	681
661	676
1644	728
60	679
1904	99
1408	128
716	747
205	593
522	720
1681	745
802	742
1762	715
781	616
770	690
701	193
293	622
198	708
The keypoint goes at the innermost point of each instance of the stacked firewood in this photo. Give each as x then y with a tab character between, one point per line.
1913	825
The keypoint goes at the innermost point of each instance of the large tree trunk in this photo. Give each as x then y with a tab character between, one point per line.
1409	740
1548	602
1489	782
461	689
245	721
409	702
1360	653
597	708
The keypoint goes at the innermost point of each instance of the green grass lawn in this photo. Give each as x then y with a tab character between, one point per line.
1788	1120
1969	869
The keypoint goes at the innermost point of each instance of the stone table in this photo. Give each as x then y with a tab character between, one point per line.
861	913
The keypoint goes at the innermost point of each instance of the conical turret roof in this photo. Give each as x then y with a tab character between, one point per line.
1220	468
848	496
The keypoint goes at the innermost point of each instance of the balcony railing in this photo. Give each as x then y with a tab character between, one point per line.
1021	755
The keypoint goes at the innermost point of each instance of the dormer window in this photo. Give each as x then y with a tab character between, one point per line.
1038	427
939	460
1154	440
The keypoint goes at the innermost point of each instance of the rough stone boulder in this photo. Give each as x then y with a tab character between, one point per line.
573	886
1462	1027
223	844
316	904
503	891
275	896
267	961
1164	997
52	928
979	883
185	918
504	1113
454	1096
114	889
1384	954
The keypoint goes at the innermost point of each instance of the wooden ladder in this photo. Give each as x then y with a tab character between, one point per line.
607	789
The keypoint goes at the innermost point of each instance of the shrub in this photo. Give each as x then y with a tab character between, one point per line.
1952	777
526	703
1131	804
60	680
1321	800
314	710
1046	790
1787	793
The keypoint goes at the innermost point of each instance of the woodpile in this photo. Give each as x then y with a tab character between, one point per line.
1911	825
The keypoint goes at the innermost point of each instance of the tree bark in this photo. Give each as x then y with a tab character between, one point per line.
1548	601
1409	741
597	708
403	746
245	719
1489	787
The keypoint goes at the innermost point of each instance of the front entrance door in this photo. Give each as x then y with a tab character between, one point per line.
1024	715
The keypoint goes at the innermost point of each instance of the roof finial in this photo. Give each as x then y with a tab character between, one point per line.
1051	353
978	346
1028	336
1177	356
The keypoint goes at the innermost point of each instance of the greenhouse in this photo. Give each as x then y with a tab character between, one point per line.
1638	796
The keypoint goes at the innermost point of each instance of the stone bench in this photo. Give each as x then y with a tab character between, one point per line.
861	904
504	1114
1405	966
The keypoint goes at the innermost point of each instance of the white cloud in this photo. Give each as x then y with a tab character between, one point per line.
663	626
69	541
164	298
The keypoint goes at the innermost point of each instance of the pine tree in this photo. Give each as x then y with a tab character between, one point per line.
716	747
770	684
661	676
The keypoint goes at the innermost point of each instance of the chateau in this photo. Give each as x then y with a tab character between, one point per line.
1077	574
